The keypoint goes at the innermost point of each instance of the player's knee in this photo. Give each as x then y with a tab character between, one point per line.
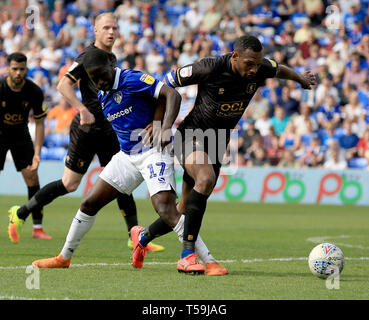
71	186
204	183
167	211
88	207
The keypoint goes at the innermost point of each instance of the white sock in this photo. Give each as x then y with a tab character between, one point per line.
200	246
81	224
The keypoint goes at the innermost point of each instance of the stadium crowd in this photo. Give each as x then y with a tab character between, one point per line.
284	125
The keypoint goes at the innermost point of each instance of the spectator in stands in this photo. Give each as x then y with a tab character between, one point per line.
288	160
349	140
355	75
126	10
279	120
302	118
51	57
314	153
363	144
274	151
329	111
146	43
259	105
291	106
194	17
289	138
3	65
334	146
362	48
336	66
152	60
256	153
335	163
38	69
247	136
328	135
58	121
263	123
324	90
305	35
187	56
353	110
265	19
211	19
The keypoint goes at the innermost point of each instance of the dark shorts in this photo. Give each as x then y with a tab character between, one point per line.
86	142
21	149
186	145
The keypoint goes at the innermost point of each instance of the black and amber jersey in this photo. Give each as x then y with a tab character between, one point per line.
15	107
222	94
88	90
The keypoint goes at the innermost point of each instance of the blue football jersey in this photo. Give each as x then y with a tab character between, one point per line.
130	106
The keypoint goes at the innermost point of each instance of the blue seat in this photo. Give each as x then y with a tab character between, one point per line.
358	163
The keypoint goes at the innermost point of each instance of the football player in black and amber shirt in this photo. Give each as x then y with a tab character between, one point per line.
225	87
89	132
18	97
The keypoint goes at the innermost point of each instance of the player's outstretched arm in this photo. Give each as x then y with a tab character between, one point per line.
305	79
65	87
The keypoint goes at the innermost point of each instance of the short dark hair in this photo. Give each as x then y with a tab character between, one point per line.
95	58
248	42
17	57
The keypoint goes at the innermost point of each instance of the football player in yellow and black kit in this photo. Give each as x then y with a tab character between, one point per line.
18	97
225	87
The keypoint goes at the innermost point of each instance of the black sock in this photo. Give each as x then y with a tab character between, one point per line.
36	212
156	229
127	207
195	209
41	198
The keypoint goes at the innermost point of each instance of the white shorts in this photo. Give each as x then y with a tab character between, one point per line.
126	172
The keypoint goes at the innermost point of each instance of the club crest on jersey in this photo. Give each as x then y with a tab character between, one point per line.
221	91
186	72
251	88
147	79
118	97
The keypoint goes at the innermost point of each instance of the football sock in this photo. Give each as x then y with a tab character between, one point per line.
200	247
37	211
127	207
156	229
41	198
81	224
195	209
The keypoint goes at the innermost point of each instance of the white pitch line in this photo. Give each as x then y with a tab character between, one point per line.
103	264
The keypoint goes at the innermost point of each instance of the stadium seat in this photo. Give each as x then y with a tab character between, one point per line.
358	163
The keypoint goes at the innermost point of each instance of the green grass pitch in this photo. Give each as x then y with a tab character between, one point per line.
264	246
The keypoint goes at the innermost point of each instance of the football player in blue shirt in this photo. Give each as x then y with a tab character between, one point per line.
128	99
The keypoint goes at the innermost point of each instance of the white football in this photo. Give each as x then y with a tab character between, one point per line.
326	259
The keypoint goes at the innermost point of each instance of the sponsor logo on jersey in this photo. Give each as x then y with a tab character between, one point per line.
186	72
251	88
119	114
118	97
13	119
232	109
147	79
